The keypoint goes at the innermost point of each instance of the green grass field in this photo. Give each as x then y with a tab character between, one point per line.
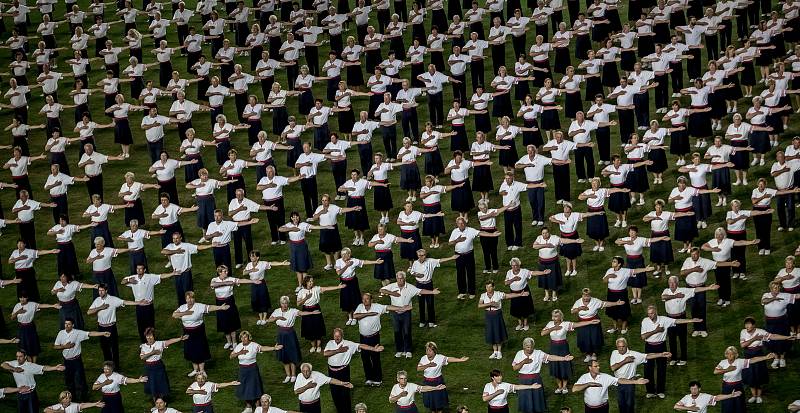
460	330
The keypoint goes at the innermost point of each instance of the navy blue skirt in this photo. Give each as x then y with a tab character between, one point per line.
736	404
157	383
619	202
461	197
386	270
701	204
619	312
661	251
330	242
570	251
495	327
554	280
113	403
637	179
195	348
251	386
350	295
482	178
756	375
597	226
779	325
312	327
686	228
740	159
533	400
590	338
205	210
29	339
356	220
290	353
382	200
521	307
637	280
435	400
299	258
259	298
721	178
432	226
408	250
409	177
228	321
433	160
71	309
560	369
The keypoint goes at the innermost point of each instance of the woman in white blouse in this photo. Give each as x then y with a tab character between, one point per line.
403	393
256	269
431	365
731	368
228	321
109	383
195	347
557	329
250	386
496	392
65	290
752	340
202	391
492	303
151	352
289	354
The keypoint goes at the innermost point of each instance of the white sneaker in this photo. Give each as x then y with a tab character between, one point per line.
775	364
601	249
398	355
194	373
247	410
596	248
782	363
421	325
611	330
744	181
286	379
703	334
759	400
682	363
408	354
493	355
624	224
672	362
227	346
432	325
587	359
767	252
499	355
720	301
292	379
617	223
695	333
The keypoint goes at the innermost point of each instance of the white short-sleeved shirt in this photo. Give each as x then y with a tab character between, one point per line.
698	278
341	359
627	371
465	246
596	396
407	292
538	358
649	325
501	399
76	337
311	394
107	316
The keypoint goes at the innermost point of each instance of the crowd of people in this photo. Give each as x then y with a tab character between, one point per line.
582	64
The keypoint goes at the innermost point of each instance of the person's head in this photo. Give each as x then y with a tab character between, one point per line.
308	282
150	335
245	337
731	353
594	367
749	324
622	345
400	277
496	376
489	285
361	407
652	312
217	216
284	302
99	243
694	253
672	282
528	345
366	299
189	297
305	370
108	368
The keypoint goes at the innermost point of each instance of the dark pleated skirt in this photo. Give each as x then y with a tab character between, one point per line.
482	177
593	87
71	309
228	321
330	242
757	375
610	76
350	295
659	158
435	400
195	348
382	200
550	120
521	307
619	312
597	227
356	220
29	339
686	228
386	270
637	179
157	383
619	202
205	211
532	400
432	226
433	163
408	250
590	338
780	326
312	327
572	104
740	159
113	403
495	328
259	298
409	177
461	198
638	280
679	142
560	369
250	385
661	251
554	280
570	251
721	178
290	353
299	257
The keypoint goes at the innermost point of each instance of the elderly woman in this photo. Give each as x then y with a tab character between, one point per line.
109	383
65	403
557	329
431	365
617	277
736	227
548	245
731	369
228	321
517	279
250	386
661	251
195	347
634	246
402	393
265	406
312	327
151	352
492	303
752	339
130	192
590	340
721	248
528	363
289	354
350	293
203	390
496	392
776	311
66	290
204	188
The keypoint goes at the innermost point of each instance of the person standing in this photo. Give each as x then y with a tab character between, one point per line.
105	306
401	293
180	254
368	316
307	387
24	373
69	342
594	386
675	299
462	239
695	269
528	363
422	269
696	401
143	285
250	387
151	352
496	392
339	352
654	333
624	362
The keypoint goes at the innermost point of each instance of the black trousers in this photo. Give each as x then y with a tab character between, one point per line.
512	218
310	195
28	402
723	278
145	318
699	310
410	122
62	207
662	91
460	89
244	233
110	345
389	134
155	148
641	103
427	310
27	233
341	395
676	76
712	46
677	335
275	219
536	199
222	256
785	211
584	162
94	186
477	73
489	247
75	378
561	175
436	109
626	397
465	273
372	359
401	323
655	370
